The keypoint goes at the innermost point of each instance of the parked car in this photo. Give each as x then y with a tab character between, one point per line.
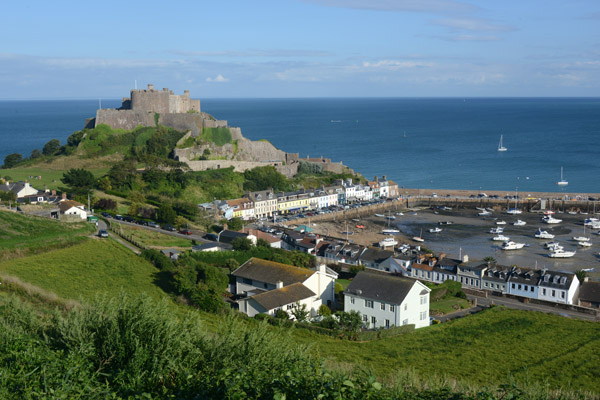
106	215
211	236
169	228
185	231
102	233
129	219
119	217
153	224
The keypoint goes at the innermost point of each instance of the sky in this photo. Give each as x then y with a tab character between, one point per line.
300	48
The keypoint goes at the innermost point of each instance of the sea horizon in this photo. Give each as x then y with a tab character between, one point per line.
419	142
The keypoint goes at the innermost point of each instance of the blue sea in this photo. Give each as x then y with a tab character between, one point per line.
447	143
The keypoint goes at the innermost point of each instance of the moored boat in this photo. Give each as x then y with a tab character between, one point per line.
519	223
512	246
561	254
540	234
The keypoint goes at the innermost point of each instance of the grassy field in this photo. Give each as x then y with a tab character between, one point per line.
154	239
50	177
24	234
448	305
488	348
84	270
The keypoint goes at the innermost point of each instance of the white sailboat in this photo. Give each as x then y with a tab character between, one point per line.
419	238
500	146
562	181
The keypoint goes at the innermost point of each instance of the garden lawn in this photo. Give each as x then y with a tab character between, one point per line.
80	272
448	305
50	178
25	234
483	349
153	239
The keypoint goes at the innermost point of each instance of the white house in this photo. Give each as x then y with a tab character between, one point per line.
20	189
384	300
71	207
268	286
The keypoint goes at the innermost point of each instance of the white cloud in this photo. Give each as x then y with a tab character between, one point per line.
218	79
394	64
472	25
254	53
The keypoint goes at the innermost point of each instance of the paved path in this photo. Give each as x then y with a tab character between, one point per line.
102	225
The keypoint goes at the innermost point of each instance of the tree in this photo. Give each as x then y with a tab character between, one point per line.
165	213
324	311
79	180
241	244
12	159
262	243
581	275
262	178
235	224
489	260
51	148
106	204
300	313
281	314
349	321
35	153
8	197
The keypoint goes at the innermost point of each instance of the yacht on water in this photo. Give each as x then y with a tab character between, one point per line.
561	254
435	230
390	231
519	223
562	181
501	238
501	146
584	244
500	222
540	234
512	246
549	219
497	230
388	241
419	238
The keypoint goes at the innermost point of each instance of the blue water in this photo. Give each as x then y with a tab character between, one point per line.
449	143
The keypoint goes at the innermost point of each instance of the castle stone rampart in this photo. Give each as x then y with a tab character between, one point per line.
183	122
123	119
212	123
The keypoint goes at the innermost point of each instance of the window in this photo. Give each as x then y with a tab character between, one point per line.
519	286
531	288
423	299
351	300
290	306
265	285
485	284
405	307
513	285
365	318
387	323
369	303
247	281
391	308
373	320
423	315
553	293
382	307
544	291
562	295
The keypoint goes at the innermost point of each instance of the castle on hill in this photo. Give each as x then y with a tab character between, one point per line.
149	107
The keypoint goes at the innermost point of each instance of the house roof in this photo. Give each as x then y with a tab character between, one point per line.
272	272
242	203
205	246
372	254
262	235
380	286
68	204
590	292
227	236
285	295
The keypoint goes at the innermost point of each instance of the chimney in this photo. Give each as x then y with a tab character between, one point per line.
321	268
278	285
384	178
150	86
53	192
186	93
465	258
376	179
64	196
442	256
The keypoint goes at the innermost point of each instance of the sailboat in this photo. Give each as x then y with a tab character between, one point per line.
500	146
562	181
419	238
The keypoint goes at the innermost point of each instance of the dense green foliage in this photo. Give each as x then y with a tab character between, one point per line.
79	180
263	178
51	148
125	347
12	159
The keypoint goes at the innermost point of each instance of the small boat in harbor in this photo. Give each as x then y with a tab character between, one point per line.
512	246
388	241
419	238
484	213
501	238
435	230
549	219
380	215
390	231
497	230
500	222
519	223
540	234
553	246
561	254
584	244
400	213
